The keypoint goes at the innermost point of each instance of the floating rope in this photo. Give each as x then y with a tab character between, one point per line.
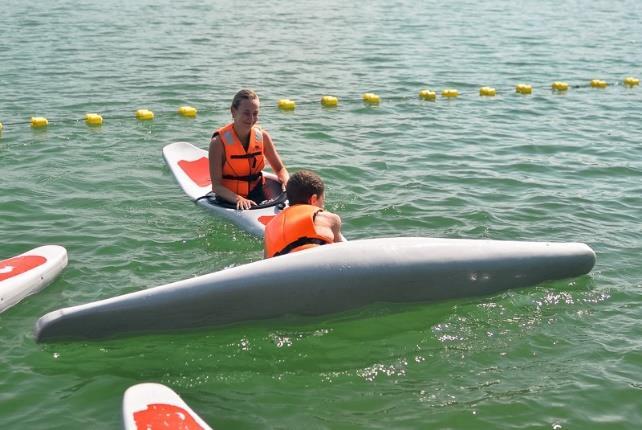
329	101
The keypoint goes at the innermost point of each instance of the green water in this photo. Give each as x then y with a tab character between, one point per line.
553	167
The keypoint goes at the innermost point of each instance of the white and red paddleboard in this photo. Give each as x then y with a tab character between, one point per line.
28	273
152	406
190	166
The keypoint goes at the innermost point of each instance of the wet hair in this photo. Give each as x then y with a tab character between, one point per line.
244	94
302	185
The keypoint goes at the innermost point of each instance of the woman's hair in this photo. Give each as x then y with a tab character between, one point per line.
302	185
244	94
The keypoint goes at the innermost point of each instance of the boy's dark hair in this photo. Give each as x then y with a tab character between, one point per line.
302	185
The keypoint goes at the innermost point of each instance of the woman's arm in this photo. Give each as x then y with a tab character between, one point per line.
269	150
329	224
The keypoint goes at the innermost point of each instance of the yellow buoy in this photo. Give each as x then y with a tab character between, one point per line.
1	127
428	95
523	89
597	83
450	93
39	122
329	101
631	81
559	86
487	91
286	104
93	119
188	111
371	98
144	114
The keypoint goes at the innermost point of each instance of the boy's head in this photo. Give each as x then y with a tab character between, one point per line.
305	187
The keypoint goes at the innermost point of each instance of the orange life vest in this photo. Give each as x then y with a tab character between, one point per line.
293	230
241	169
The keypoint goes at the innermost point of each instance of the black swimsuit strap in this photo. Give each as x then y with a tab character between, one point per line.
300	242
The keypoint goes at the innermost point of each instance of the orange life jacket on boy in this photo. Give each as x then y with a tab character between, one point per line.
293	230
242	168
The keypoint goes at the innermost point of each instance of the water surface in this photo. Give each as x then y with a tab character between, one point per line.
551	167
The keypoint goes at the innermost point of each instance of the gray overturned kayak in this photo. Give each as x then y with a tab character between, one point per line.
324	280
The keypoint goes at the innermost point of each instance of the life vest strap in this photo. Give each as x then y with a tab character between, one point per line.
247	178
300	242
248	155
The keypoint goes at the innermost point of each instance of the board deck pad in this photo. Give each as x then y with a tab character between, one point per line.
164	416
153	406
265	219
26	274
197	170
18	265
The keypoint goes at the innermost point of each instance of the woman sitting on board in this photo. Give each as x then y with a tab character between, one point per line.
237	155
304	224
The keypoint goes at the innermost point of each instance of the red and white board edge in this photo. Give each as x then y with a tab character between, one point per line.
177	152
149	403
15	288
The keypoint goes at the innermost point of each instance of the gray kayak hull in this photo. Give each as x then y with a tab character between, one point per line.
325	280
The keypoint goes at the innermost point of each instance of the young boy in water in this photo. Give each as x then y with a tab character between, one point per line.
304	224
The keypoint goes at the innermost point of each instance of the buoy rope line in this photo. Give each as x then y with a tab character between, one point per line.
329	101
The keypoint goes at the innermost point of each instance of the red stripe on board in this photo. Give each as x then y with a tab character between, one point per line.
197	170
160	416
17	265
265	219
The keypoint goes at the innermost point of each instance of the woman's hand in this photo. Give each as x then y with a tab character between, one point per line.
243	203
